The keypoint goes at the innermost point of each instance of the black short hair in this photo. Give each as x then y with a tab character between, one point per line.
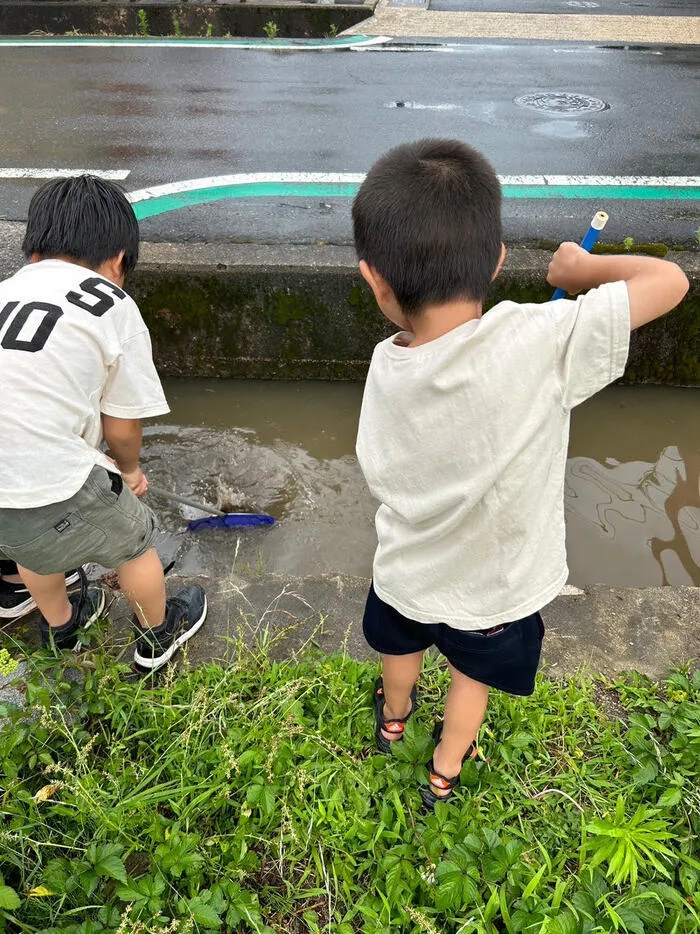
85	218
428	219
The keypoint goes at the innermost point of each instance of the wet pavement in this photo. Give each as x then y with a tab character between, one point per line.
172	114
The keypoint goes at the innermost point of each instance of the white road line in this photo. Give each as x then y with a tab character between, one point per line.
647	181
112	175
351	178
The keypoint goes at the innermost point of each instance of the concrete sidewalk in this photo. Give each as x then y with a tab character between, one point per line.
398	21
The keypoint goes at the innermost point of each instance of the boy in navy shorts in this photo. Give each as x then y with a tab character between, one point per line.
464	429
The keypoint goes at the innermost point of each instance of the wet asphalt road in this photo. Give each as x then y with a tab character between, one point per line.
173	114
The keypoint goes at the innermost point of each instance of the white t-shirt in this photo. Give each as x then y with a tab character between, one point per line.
72	345
463	440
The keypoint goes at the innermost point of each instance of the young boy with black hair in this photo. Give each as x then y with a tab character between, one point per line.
76	368
464	428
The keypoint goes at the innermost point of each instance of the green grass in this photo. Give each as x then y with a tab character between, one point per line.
250	799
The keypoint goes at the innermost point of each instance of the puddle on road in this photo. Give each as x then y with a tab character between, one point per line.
632	492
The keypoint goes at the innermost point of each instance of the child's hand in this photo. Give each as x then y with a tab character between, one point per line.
568	269
136	481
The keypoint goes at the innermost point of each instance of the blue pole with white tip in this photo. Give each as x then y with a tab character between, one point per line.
599	221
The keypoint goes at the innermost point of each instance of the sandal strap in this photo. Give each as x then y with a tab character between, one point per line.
469	754
394	726
397	724
441	781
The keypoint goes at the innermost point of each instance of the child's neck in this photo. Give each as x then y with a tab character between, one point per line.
436	320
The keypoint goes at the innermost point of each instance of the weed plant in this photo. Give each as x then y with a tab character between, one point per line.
250	798
143	22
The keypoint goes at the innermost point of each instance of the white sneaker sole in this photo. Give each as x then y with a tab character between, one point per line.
22	609
152	664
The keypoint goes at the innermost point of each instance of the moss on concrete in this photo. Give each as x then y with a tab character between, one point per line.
668	350
617	248
311	323
622	249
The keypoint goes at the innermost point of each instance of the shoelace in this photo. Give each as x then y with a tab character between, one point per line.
83	593
180	604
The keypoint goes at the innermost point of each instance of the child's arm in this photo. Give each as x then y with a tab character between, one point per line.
123	437
654	286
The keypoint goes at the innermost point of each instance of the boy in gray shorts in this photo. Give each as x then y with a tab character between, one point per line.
76	369
464	429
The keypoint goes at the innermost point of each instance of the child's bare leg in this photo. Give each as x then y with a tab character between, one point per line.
465	707
143	584
48	591
399	673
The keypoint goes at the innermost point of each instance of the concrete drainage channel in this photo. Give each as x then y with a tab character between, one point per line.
245	310
272	20
303	312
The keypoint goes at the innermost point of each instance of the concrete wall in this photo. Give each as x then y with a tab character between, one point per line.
303	312
240	310
20	17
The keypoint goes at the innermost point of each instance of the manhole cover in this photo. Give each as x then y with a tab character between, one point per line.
561	102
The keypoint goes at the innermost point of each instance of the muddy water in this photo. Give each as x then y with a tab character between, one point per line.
632	494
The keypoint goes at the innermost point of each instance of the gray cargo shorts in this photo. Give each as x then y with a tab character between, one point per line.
102	523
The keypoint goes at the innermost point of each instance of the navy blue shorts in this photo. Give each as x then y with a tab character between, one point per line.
504	657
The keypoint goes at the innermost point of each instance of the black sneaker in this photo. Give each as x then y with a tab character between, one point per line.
88	604
184	615
15	600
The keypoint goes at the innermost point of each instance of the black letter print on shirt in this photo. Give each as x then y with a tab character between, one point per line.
11	341
94	286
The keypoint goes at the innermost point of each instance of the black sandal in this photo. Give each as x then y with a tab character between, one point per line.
430	799
397	725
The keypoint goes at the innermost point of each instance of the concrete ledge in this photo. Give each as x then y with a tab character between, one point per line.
103	17
303	312
600	629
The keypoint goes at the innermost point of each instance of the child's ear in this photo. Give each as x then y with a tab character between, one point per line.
370	277
384	296
379	285
113	268
500	262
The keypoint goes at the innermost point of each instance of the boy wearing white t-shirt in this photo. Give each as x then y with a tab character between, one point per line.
76	369
464	428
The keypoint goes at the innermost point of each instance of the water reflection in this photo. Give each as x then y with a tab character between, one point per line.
288	448
635	523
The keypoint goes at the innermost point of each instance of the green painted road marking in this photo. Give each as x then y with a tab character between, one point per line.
602	192
163	204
